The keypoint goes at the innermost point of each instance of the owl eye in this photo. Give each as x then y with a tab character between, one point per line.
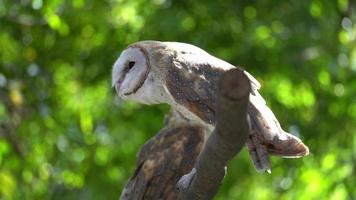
131	64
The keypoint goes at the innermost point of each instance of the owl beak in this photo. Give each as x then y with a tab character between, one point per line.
117	86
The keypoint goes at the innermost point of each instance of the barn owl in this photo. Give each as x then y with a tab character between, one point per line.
186	77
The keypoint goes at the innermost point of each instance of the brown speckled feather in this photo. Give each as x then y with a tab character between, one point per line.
195	88
162	161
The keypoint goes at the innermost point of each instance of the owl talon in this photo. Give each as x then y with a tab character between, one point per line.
185	181
259	154
269	171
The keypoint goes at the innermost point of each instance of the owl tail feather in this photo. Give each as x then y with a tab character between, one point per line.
268	136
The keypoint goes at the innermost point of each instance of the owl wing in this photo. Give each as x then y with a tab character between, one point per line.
163	159
193	83
194	87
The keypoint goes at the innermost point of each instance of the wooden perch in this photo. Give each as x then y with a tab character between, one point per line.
224	143
177	148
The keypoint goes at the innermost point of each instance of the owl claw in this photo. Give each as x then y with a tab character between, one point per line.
185	181
259	154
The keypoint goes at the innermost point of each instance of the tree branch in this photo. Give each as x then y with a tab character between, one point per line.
224	143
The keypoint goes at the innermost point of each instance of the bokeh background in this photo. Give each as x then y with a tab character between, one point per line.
65	135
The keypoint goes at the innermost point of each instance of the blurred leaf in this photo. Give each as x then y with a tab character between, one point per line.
64	134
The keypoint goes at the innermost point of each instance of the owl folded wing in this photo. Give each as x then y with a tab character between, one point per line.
194	85
195	88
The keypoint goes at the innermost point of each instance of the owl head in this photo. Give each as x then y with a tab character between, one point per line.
138	73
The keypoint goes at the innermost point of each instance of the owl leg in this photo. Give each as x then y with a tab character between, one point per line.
269	131
258	153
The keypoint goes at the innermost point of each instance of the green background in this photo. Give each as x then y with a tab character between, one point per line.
65	135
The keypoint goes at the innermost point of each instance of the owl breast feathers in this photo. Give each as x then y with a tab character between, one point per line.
186	77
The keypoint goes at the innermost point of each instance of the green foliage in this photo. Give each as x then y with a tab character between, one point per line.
64	134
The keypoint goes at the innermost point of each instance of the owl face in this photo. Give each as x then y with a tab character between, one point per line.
135	79
130	71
